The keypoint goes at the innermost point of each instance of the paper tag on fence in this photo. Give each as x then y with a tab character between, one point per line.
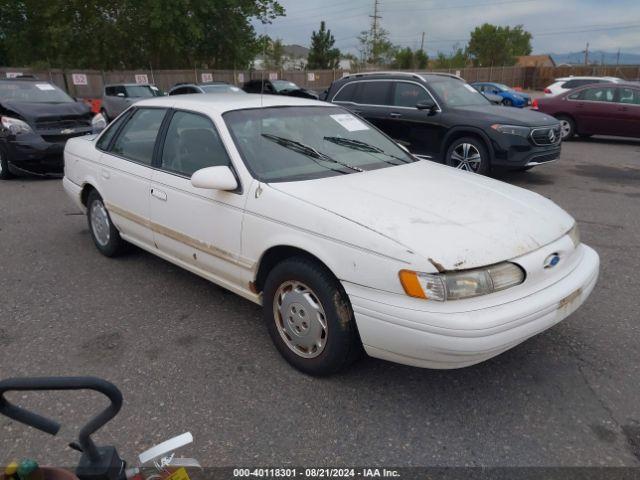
349	122
179	474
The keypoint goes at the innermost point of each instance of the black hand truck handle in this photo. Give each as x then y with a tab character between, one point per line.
62	383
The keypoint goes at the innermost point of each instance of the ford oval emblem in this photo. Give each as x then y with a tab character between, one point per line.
552	260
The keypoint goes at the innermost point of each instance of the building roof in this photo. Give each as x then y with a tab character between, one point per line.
535	61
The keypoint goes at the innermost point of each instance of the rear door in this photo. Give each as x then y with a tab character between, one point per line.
628	111
370	99
198	227
595	110
415	129
125	171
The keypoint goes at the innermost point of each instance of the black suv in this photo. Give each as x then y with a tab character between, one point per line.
36	119
441	117
278	87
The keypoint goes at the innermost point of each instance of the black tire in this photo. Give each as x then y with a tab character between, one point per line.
567	127
342	344
5	174
507	102
483	167
114	245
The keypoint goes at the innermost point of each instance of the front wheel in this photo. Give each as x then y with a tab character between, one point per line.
507	102
104	233
468	154
309	317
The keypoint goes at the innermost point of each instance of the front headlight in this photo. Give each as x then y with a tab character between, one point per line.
98	123
15	125
464	284
512	130
574	235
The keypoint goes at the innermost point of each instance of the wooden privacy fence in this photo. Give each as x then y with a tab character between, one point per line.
90	83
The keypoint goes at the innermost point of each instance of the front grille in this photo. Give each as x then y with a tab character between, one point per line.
62	138
62	124
543	136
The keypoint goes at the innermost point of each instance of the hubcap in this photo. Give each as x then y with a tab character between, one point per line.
300	319
100	223
565	128
466	157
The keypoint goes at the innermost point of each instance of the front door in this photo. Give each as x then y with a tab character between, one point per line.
198	227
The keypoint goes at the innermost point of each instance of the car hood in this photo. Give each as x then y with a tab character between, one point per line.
491	114
47	111
456	220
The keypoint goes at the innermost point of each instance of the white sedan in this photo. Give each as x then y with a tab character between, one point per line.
346	240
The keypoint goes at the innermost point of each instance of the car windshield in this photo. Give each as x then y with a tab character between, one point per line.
221	89
140	91
455	93
33	92
502	87
282	85
283	144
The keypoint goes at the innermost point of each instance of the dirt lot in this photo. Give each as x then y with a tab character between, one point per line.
191	356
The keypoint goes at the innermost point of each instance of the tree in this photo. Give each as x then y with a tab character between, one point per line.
459	58
420	60
133	34
274	54
404	59
492	45
322	54
375	47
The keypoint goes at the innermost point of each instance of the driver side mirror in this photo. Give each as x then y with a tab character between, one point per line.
428	105
214	178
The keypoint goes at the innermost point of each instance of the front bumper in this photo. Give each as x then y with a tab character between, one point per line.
33	154
402	330
513	152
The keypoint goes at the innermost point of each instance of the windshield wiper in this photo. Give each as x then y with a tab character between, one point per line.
363	147
307	150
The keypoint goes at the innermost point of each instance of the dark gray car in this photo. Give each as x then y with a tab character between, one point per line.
118	97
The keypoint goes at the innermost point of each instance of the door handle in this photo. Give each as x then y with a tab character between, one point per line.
624	109
105	174
159	194
395	115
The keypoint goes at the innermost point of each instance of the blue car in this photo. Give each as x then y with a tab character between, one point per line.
510	97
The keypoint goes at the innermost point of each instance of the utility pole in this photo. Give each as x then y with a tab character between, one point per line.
422	42
586	55
374	30
618	57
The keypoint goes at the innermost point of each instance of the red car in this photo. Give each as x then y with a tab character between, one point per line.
597	109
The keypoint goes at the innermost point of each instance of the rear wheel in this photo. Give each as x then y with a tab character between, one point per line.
104	233
567	127
469	154
507	102
309	317
5	174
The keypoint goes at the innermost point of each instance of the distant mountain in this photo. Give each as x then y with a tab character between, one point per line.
597	56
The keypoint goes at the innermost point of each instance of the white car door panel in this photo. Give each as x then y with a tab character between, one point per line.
199	227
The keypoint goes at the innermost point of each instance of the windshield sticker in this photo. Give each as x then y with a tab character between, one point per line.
349	122
44	86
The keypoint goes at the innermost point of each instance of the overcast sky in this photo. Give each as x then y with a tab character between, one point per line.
558	26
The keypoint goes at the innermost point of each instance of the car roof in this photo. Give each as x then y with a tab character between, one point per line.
386	74
128	85
220	103
564	79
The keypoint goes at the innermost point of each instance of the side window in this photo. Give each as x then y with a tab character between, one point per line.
347	93
110	91
137	138
192	143
252	87
629	96
107	136
375	93
599	94
576	95
119	90
408	94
